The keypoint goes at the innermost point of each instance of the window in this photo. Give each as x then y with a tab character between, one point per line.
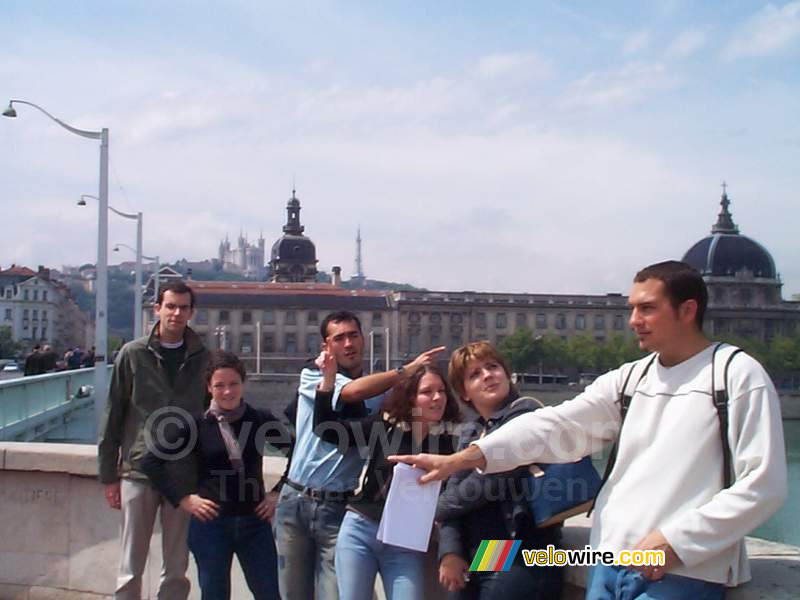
36	295
522	320
413	343
435	318
44	316
455	341
377	343
580	321
44	333
44	295
599	322
35	332
25	313
312	343
25	295
291	343
619	322
436	340
480	319
377	319
35	314
269	317
313	317
201	316
224	316
247	317
541	321
561	321
291	317
500	320
246	346
8	314
455	319
268	342
500	339
413	317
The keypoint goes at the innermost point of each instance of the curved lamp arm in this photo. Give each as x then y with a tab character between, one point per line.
10	112
112	209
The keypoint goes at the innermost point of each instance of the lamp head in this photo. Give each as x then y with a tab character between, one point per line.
116	248
81	202
10	111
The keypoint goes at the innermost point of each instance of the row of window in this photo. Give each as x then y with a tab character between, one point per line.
267	317
26	314
26	294
521	319
270	343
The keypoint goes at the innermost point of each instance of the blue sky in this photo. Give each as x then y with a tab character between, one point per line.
520	146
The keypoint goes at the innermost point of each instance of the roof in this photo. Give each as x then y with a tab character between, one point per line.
19	271
301	295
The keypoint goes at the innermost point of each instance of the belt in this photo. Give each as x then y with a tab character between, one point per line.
320	495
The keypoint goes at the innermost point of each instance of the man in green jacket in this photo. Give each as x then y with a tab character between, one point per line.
154	376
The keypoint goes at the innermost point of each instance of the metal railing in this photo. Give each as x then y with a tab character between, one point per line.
31	406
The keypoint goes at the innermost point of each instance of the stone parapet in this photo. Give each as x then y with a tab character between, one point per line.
60	540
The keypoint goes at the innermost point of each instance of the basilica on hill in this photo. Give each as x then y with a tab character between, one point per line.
279	318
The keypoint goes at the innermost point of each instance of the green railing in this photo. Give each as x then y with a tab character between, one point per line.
30	406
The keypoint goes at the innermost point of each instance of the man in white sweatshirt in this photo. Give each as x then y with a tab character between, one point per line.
667	489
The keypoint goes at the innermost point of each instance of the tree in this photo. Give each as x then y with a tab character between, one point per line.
521	349
8	347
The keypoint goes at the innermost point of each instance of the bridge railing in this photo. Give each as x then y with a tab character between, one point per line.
28	404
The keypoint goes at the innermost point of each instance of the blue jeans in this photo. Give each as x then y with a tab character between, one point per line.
305	535
359	556
213	545
619	583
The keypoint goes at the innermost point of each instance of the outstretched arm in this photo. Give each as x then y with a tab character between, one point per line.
440	467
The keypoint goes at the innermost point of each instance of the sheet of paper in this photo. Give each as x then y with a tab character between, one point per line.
410	507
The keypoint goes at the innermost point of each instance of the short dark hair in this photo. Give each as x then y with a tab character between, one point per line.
222	359
338	317
682	282
400	403
176	287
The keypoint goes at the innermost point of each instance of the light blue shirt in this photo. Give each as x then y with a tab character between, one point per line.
316	463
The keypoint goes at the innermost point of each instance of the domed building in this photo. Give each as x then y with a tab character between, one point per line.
743	284
294	256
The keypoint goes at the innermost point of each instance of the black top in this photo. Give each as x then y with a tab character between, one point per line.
474	507
172	359
236	493
381	438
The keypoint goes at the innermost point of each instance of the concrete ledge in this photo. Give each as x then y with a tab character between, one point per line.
60	540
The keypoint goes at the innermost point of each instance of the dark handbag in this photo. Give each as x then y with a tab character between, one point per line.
560	491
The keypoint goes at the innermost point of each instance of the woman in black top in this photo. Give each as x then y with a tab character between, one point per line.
476	507
230	508
412	421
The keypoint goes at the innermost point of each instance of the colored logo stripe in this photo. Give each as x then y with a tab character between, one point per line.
495	555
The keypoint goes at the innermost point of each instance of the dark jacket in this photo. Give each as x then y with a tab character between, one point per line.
476	507
139	387
236	493
382	438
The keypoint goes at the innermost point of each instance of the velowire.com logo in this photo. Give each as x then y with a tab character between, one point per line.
495	555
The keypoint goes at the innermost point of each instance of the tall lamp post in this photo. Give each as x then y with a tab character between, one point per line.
139	257
101	293
137	315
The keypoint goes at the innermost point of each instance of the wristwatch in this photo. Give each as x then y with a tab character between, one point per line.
400	370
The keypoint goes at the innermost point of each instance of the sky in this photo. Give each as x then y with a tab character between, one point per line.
546	147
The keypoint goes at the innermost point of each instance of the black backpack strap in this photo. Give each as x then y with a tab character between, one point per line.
720	398
625	397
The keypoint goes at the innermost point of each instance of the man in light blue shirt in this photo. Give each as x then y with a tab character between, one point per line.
321	478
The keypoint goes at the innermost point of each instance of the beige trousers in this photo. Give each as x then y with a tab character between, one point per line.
140	503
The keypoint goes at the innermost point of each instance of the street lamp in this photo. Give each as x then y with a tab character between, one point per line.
137	316
101	294
139	257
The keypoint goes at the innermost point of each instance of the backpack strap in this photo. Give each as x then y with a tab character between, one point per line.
635	375
723	355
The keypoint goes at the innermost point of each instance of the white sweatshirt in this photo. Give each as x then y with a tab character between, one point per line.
668	473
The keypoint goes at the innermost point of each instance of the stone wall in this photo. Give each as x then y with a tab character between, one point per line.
60	541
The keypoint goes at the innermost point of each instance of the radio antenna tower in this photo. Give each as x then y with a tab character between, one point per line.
359	277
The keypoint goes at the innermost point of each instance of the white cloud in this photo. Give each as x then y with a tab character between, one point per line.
527	65
623	87
636	42
687	43
771	31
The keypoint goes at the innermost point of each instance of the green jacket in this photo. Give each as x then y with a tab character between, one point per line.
139	387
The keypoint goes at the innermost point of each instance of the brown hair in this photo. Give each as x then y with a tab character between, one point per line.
400	403
462	356
682	282
221	359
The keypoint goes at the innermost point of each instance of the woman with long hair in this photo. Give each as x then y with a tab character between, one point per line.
413	420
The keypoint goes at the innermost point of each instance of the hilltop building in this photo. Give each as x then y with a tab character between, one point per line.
244	258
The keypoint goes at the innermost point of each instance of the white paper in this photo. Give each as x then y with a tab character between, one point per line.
408	514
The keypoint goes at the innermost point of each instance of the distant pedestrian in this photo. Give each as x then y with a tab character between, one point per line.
33	362
48	359
75	357
88	359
